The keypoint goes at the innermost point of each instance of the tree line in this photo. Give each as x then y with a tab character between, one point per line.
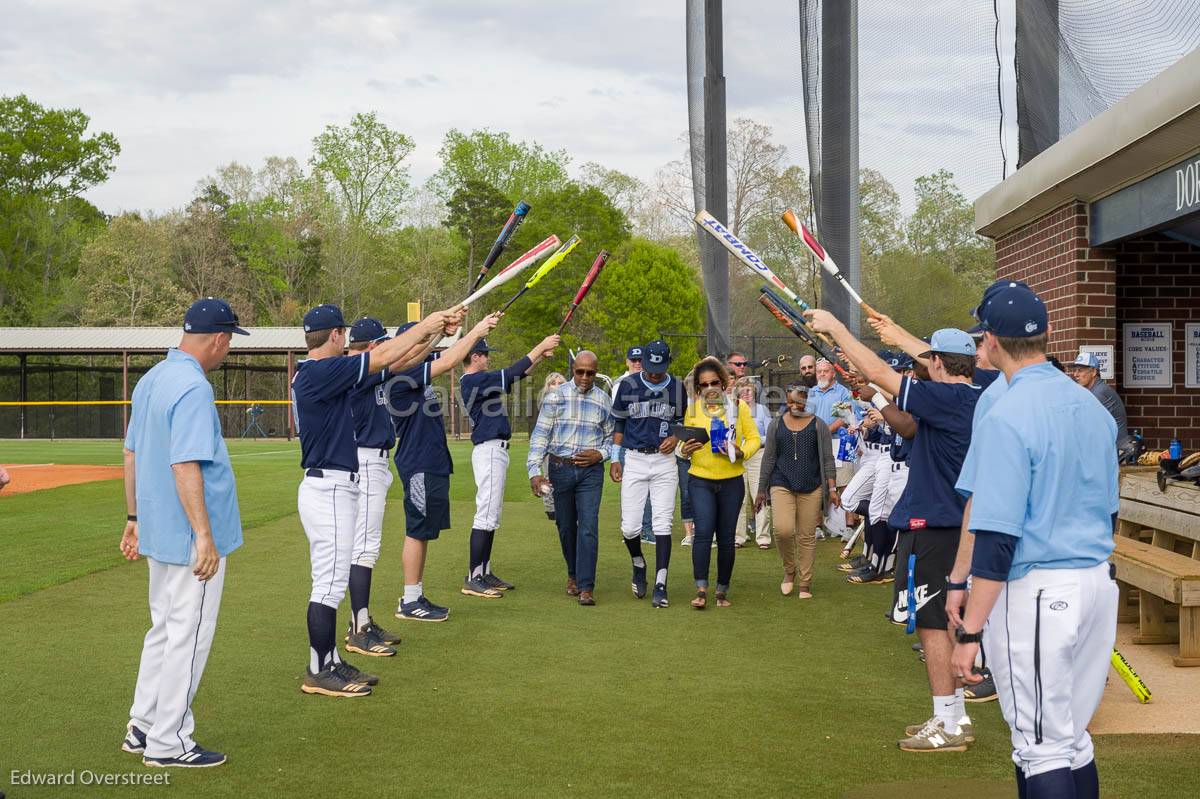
350	225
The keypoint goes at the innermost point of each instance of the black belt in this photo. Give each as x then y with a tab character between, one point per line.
647	450
561	461
321	473
502	441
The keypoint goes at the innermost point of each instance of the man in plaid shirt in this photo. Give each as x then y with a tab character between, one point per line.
574	430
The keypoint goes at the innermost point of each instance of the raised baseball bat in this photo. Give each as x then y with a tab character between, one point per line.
585	287
782	311
746	256
1131	678
824	258
518	266
551	262
506	233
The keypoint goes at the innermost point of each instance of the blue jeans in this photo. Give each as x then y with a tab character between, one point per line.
577	516
715	504
685	498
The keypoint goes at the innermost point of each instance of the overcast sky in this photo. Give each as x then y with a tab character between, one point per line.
190	86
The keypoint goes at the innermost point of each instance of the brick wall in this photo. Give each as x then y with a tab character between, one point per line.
1091	291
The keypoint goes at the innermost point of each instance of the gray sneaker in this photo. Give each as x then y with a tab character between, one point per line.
331	681
476	586
932	737
495	582
367	642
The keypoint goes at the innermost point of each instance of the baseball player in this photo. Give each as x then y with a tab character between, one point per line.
929	512
646	407
633	366
483	394
178	477
374	439
1042	476
424	464
329	493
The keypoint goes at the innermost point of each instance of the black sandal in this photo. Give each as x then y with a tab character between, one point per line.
701	600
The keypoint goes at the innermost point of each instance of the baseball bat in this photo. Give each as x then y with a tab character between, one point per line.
515	268
849	547
709	224
780	309
1131	678
824	258
551	262
506	233
585	287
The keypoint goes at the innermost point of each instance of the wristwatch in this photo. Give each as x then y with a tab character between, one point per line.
963	637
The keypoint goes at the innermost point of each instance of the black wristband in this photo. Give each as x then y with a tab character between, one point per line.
131	517
953	586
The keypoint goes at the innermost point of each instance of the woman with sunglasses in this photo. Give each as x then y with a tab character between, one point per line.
715	479
798	477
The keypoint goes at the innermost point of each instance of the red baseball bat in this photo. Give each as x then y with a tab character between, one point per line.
585	287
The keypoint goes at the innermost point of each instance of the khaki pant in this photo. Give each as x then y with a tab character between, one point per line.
795	517
762	519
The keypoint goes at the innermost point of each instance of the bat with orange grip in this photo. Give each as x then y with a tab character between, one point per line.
780	309
824	258
585	287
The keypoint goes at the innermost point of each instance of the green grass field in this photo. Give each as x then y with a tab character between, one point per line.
530	695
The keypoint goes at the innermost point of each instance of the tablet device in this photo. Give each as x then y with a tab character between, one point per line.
687	433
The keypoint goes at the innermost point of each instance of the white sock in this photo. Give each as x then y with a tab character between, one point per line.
660	577
639	562
361	618
944	709
314	661
412	593
960	707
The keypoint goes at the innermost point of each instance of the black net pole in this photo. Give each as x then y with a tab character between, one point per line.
715	259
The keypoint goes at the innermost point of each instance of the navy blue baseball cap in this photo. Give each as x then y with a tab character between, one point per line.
323	317
481	346
1014	312
988	293
211	315
657	358
634	353
885	355
405	327
367	329
950	341
900	361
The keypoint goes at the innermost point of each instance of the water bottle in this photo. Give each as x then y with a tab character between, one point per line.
1176	449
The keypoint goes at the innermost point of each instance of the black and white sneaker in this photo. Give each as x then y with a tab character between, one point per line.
135	740
659	598
981	692
421	610
333	680
476	586
391	639
639	581
196	757
495	582
353	674
366	642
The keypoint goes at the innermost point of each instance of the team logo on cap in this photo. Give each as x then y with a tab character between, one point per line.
655	358
1030	327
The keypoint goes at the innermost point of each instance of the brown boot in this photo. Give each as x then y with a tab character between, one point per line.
585	598
572	589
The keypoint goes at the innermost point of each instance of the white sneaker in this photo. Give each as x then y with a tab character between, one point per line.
686	542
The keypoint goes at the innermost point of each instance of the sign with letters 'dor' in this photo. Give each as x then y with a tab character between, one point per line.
1147	355
1104	354
1191	353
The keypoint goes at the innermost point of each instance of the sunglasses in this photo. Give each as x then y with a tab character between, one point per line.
586	372
711	384
738	363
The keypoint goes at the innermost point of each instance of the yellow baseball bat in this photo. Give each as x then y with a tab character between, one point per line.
1131	678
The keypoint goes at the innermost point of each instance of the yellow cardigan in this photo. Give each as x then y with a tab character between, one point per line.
713	466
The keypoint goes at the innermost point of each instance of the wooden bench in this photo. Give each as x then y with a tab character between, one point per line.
1157	557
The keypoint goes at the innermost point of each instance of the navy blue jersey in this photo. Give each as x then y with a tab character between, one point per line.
321	401
483	398
420	427
644	411
901	447
944	414
984	377
372	422
877	435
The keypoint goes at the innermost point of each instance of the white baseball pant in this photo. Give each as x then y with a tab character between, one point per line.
1049	641
183	619
374	480
648	474
862	484
889	485
328	512
489	462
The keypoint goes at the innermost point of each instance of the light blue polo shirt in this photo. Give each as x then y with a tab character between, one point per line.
1047	472
820	403
174	420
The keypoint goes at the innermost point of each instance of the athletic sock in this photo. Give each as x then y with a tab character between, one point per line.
1056	784
360	596
478	545
321	635
943	708
662	557
1087	781
634	545
960	706
488	540
411	593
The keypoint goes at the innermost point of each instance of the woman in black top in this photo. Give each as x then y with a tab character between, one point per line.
798	477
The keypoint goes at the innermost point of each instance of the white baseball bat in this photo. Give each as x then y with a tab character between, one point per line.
824	258
709	224
515	268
